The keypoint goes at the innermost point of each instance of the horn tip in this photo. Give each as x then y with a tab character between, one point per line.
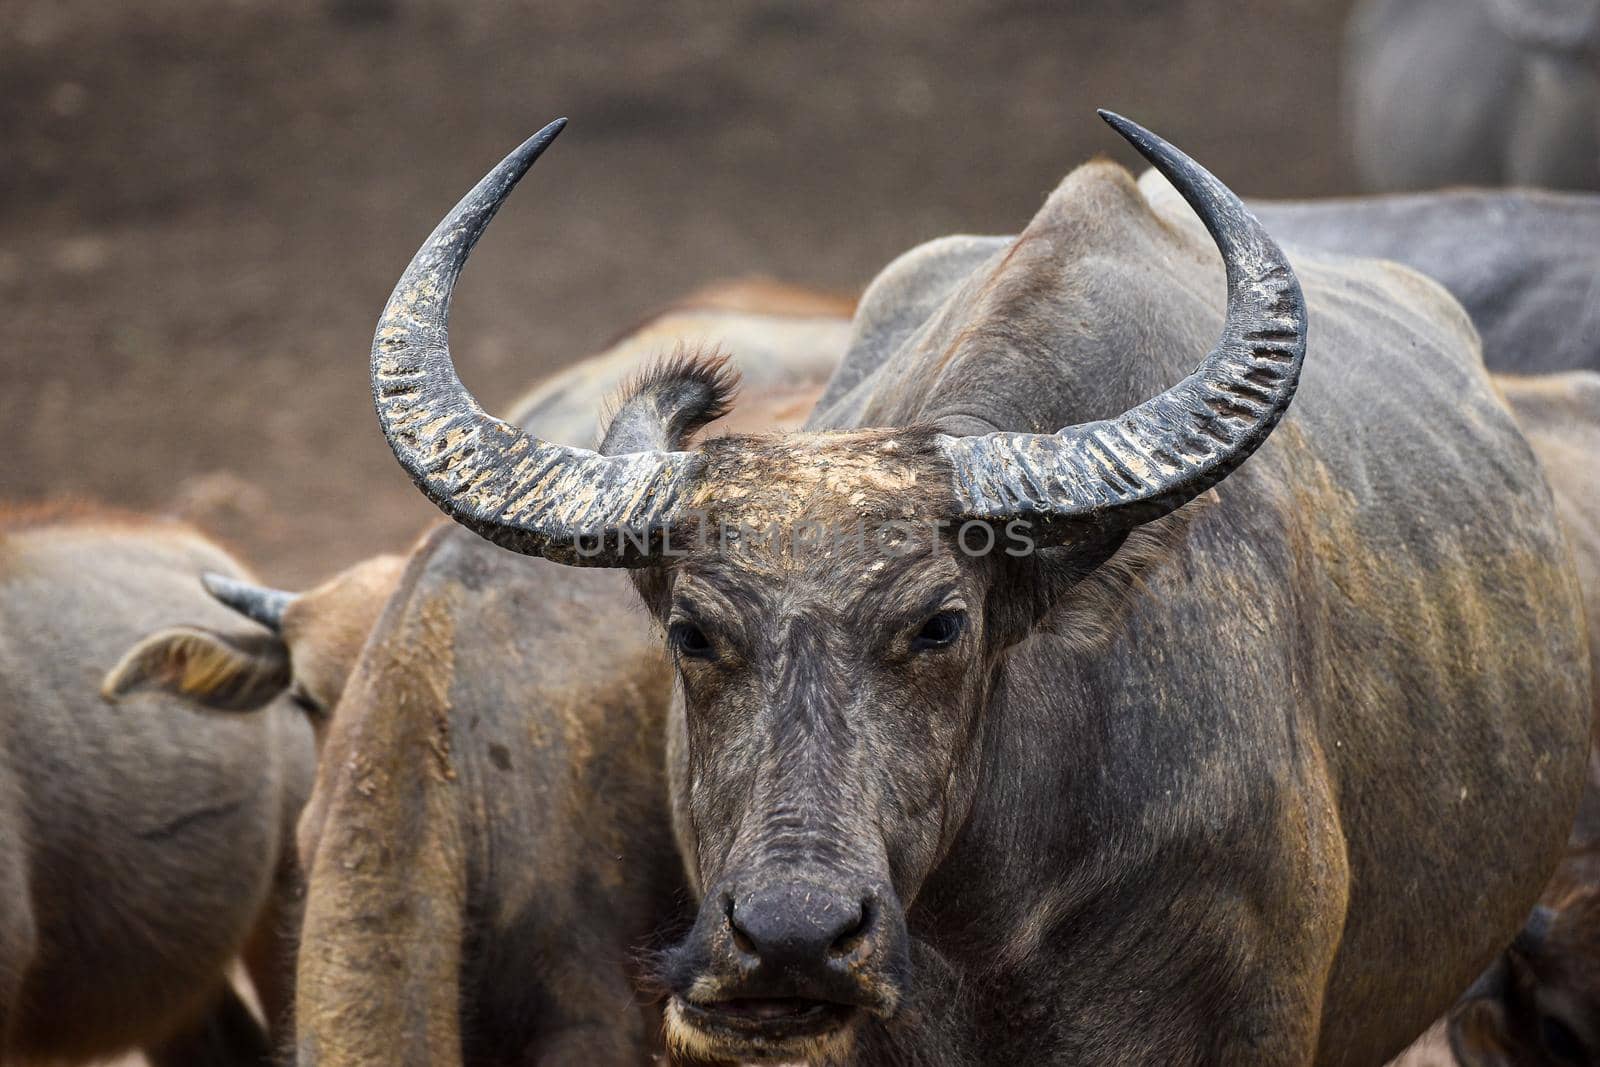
1131	131
520	160
530	150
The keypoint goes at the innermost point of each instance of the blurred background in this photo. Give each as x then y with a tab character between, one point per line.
203	206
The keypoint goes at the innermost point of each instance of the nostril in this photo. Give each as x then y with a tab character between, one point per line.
848	941
741	940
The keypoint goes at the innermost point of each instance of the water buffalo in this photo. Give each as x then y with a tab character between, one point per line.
140	845
488	826
1474	92
294	646
1539	1005
1525	265
146	871
1041	750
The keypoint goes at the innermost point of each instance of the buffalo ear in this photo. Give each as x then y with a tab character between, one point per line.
226	672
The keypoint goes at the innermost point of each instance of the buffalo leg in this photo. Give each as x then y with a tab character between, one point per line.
16	947
269	954
227	1035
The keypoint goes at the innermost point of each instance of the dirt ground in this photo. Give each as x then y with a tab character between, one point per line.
203	207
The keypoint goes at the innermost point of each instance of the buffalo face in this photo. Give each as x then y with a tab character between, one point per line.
824	740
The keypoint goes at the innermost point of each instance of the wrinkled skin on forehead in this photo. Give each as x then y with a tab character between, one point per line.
487	829
1198	800
778	481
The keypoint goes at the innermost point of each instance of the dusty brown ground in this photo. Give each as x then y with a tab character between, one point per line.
203	206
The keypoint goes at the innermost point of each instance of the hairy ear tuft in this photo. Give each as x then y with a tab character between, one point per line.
227	672
667	402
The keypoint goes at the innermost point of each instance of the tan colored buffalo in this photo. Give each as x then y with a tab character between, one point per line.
142	846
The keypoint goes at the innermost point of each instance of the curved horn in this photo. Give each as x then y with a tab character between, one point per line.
257	602
1158	456
567	504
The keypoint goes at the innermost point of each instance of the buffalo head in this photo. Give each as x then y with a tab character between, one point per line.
300	645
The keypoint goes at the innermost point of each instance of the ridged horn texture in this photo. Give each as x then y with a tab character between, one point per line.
567	504
257	602
1163	453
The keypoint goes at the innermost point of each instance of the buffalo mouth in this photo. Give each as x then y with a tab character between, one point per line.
762	1027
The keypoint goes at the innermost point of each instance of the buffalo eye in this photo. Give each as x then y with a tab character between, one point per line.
689	640
939	631
1560	1041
